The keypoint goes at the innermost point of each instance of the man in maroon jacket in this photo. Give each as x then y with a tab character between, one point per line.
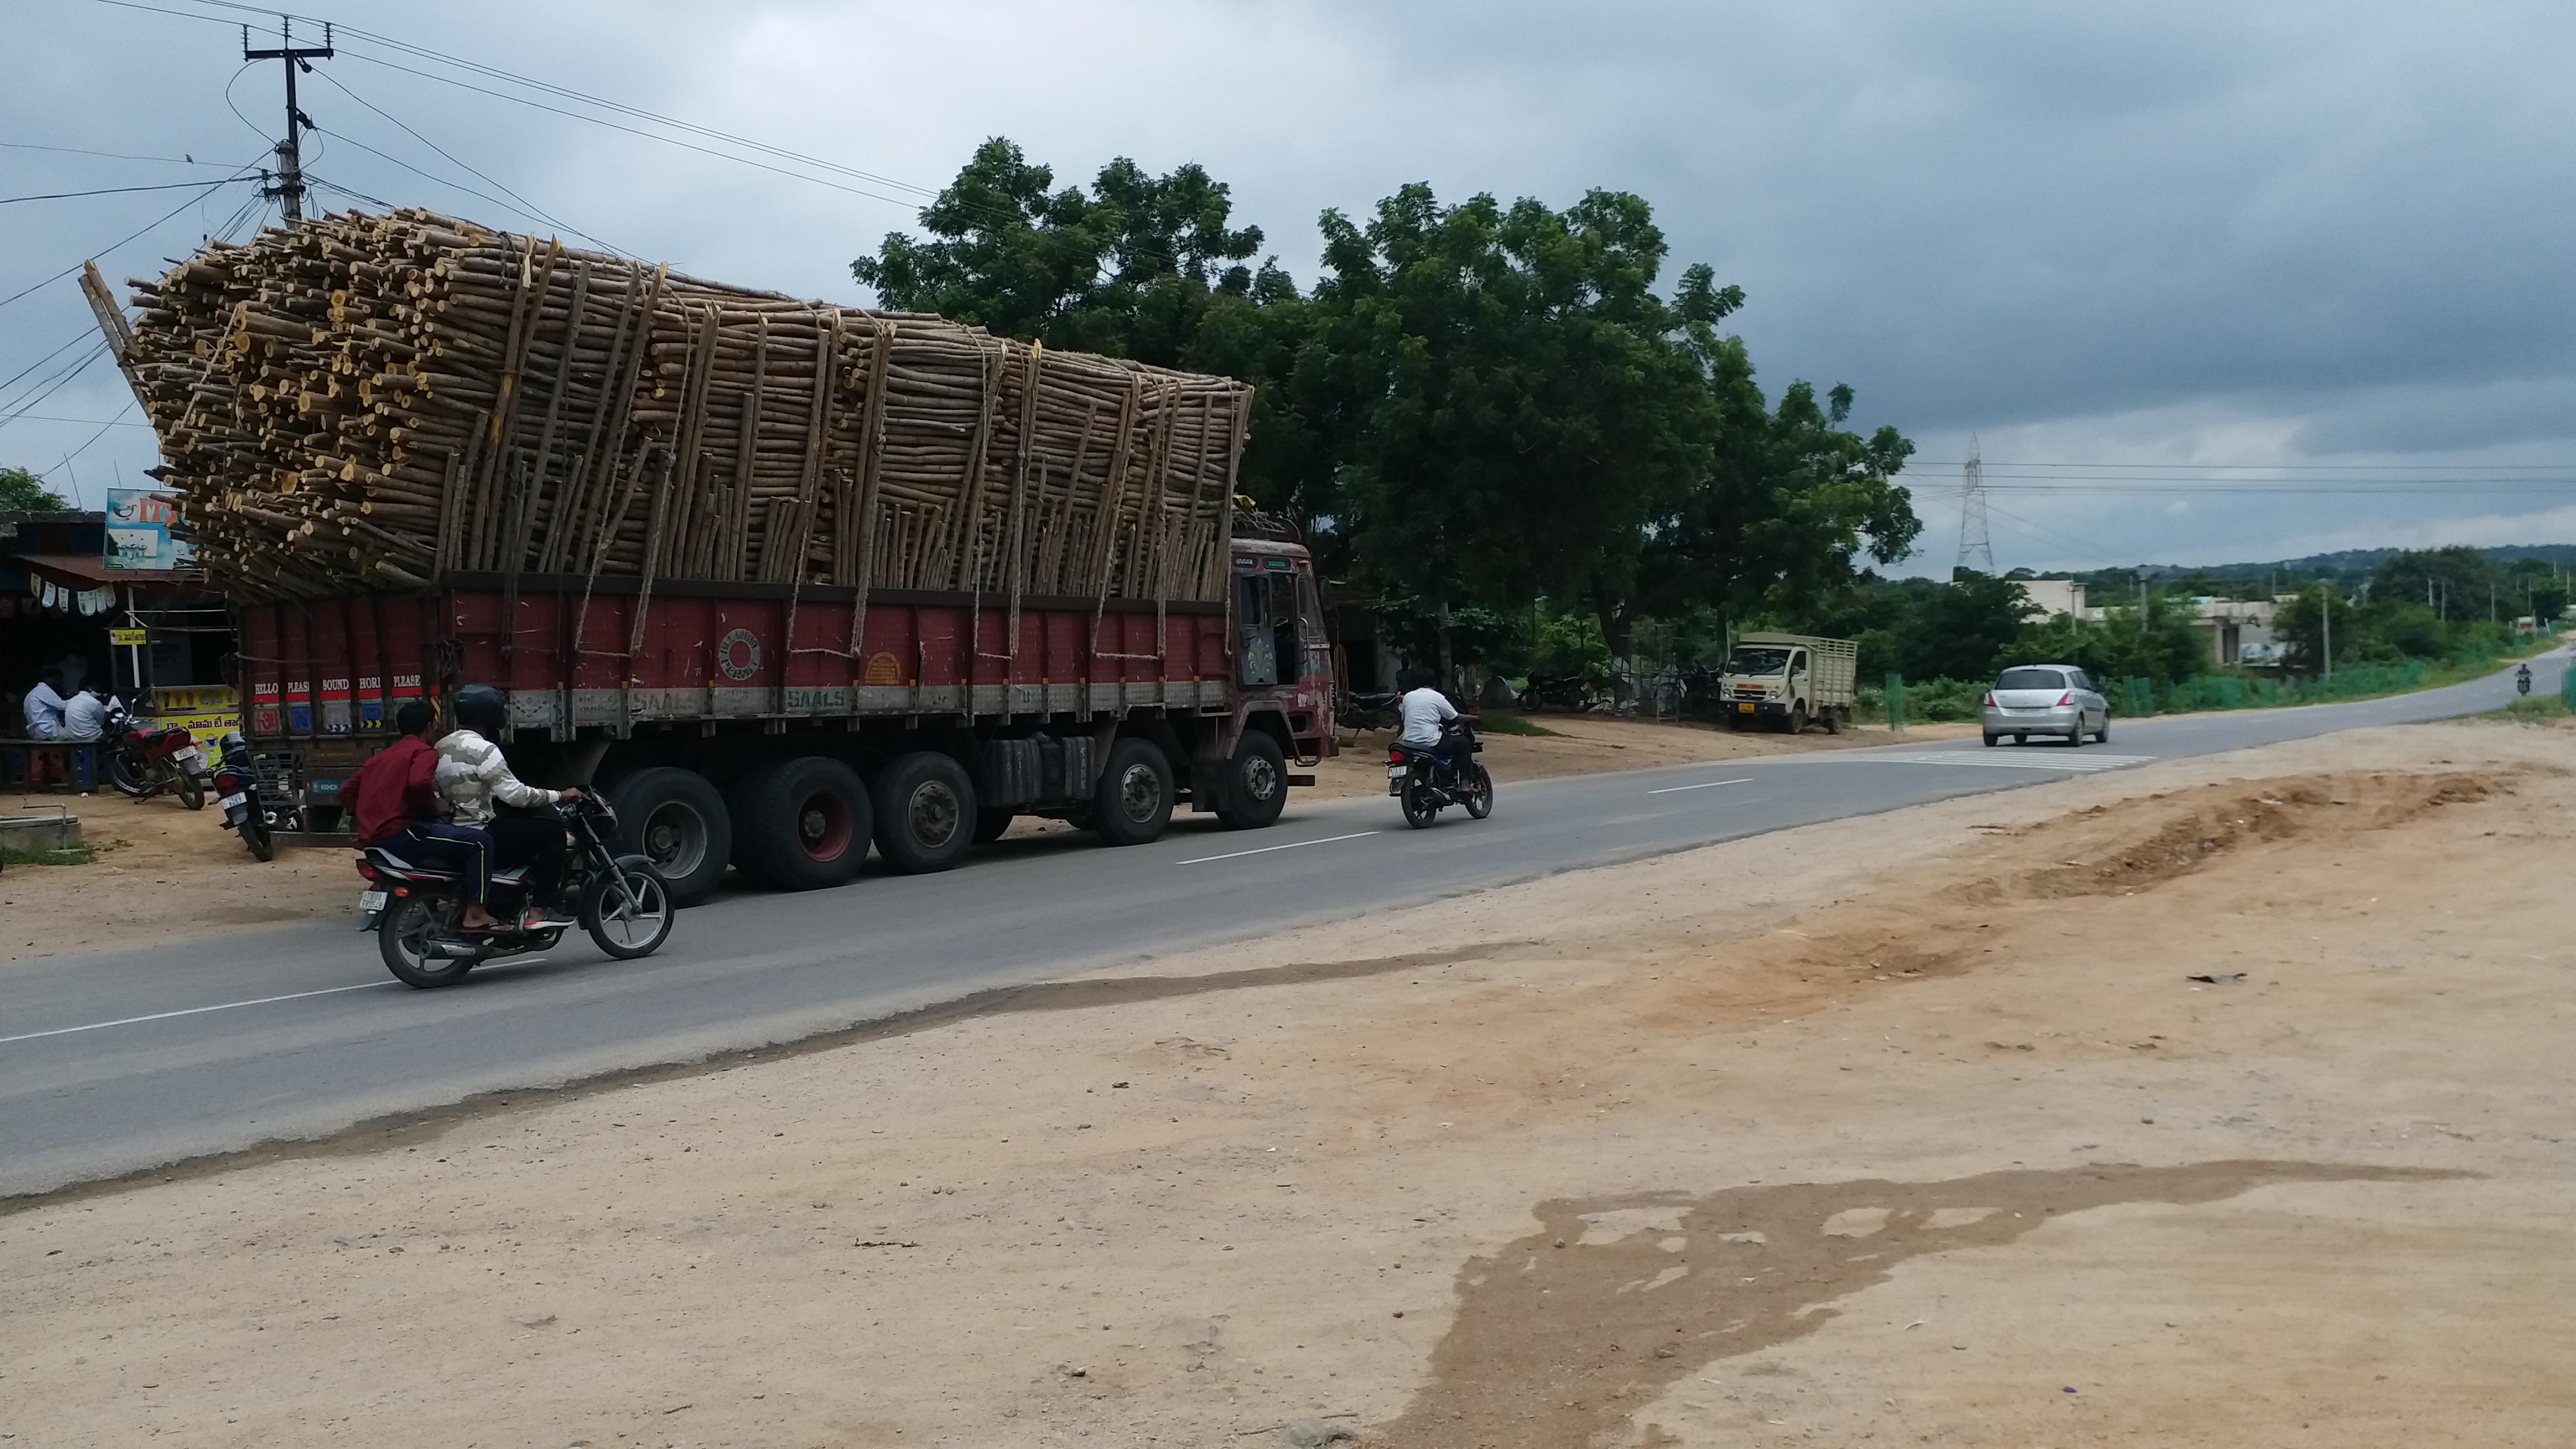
393	804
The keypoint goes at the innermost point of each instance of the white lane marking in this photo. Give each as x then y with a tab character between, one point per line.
1704	785
2084	765
194	1011
1266	849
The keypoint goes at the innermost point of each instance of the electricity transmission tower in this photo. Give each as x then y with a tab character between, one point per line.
289	190
1976	546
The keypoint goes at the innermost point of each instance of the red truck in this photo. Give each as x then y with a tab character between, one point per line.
732	723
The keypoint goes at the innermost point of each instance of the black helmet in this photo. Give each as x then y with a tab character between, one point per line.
480	708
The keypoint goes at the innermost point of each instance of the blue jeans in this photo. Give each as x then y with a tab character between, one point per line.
460	848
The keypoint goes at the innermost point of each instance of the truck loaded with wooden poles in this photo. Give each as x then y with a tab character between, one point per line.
779	577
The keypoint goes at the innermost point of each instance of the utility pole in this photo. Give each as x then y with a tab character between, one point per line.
1976	545
2327	619
289	190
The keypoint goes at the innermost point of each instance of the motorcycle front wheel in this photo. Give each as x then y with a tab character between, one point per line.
1476	790
628	912
1418	809
404	936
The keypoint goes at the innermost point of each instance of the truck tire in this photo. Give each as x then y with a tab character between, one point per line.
926	814
801	824
677	820
1256	783
1795	721
1834	721
1133	801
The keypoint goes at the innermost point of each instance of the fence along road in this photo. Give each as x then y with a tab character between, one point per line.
118	1061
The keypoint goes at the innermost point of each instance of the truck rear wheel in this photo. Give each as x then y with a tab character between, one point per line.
677	820
926	813
801	824
1133	801
1256	783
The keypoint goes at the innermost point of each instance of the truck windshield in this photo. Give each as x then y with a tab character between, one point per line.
1757	661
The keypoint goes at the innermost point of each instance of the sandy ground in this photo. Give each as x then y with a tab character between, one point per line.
1924	1128
168	874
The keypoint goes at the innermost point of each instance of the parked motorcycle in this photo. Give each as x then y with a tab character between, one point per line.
1428	781
415	910
248	812
144	760
1383	711
1563	691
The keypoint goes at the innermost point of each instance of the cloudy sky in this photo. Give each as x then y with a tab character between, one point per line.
2206	282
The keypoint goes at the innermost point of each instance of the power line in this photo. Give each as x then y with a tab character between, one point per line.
116	190
526	207
210	188
108	155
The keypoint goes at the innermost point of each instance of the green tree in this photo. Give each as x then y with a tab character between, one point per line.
1531	404
1960	629
24	492
2454	581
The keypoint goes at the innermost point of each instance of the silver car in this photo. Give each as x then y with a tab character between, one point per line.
2046	699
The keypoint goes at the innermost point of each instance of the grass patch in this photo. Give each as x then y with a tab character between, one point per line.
1516	724
76	855
2535	708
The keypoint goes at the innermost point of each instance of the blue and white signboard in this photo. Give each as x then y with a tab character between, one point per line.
141	529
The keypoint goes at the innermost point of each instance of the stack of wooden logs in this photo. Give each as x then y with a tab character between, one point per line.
361	402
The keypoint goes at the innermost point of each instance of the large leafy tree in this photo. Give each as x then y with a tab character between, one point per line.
1531	403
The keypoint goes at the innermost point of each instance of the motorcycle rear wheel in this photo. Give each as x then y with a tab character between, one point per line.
192	791
1419	812
403	938
254	833
128	777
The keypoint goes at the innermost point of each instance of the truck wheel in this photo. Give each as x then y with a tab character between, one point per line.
1256	784
1133	801
992	825
677	820
802	824
1795	721
925	813
1833	721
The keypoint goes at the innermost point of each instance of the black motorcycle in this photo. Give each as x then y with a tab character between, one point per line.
1562	691
1384	711
415	910
248	812
2522	680
1428	781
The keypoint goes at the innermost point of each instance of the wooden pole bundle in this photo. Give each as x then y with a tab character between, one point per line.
360	402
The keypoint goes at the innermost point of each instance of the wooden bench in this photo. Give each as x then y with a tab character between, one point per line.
51	764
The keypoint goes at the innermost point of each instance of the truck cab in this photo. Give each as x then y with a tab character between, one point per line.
1282	659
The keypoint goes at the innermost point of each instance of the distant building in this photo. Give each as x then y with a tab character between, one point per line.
2056	596
2240	630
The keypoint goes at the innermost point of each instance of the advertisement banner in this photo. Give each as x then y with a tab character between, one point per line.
142	528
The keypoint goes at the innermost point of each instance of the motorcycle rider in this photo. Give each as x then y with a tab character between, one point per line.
1427	717
393	801
472	775
2522	679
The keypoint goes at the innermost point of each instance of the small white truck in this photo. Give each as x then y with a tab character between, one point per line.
1789	681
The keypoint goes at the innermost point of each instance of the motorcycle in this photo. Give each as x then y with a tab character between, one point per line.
620	900
1565	691
144	760
1428	781
247	810
2522	680
1383	711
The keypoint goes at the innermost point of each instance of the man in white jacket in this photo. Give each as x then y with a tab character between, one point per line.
475	779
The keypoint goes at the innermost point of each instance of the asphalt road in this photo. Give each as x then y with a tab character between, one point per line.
119	1061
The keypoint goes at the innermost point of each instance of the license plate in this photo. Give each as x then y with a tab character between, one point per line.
371	900
1397	772
189	756
237	798
1745	708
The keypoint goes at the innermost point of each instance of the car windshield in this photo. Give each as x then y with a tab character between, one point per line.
2031	679
1757	661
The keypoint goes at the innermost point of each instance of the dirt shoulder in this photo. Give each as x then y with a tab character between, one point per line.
2217	1101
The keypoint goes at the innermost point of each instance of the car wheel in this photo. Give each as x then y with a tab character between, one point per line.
1991	739
2021	739
677	820
925	813
1133	801
2102	736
